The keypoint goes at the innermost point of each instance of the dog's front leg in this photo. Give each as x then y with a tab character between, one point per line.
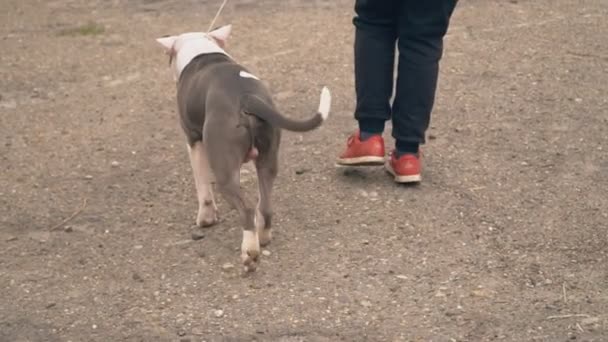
207	209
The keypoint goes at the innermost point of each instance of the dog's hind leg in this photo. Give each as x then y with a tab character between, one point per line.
267	169
250	246
207	209
225	159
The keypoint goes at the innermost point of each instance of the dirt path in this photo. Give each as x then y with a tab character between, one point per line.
504	241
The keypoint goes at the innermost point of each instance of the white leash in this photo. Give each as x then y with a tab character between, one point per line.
217	15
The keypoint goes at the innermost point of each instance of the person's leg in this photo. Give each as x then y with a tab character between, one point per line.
422	26
375	37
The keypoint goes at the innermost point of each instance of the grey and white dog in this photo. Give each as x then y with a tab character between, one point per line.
229	118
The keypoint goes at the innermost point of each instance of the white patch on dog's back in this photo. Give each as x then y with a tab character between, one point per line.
245	74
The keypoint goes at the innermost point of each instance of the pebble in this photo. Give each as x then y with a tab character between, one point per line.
482	293
115	163
227	266
218	313
88	177
197	235
366	303
301	171
266	252
137	278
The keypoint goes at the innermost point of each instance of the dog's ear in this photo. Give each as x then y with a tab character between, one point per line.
221	34
167	42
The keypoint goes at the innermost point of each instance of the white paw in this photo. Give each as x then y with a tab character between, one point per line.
250	250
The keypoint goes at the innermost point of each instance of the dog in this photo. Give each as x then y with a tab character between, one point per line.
228	117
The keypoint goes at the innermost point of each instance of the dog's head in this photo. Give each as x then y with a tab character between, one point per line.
184	47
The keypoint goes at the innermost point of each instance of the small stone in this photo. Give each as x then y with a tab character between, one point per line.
432	137
11	238
440	294
197	235
94	326
218	313
114	163
266	252
302	171
88	177
138	247
227	266
51	305
482	293
40	236
402	277
68	229
366	303
365	242
138	278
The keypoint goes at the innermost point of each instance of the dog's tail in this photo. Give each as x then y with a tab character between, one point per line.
258	107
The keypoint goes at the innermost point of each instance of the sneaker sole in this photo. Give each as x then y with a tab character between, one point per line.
402	179
361	161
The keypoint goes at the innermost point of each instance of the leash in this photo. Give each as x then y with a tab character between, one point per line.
217	16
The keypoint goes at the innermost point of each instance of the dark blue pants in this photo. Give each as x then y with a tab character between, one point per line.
417	27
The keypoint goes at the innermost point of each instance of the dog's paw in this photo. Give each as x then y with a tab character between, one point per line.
265	236
207	216
250	250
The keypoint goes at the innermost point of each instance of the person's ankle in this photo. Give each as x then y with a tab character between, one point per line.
363	135
369	128
406	147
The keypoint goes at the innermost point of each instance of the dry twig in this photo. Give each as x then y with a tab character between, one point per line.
84	204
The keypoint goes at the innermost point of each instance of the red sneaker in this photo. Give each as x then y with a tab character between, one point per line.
406	169
368	152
